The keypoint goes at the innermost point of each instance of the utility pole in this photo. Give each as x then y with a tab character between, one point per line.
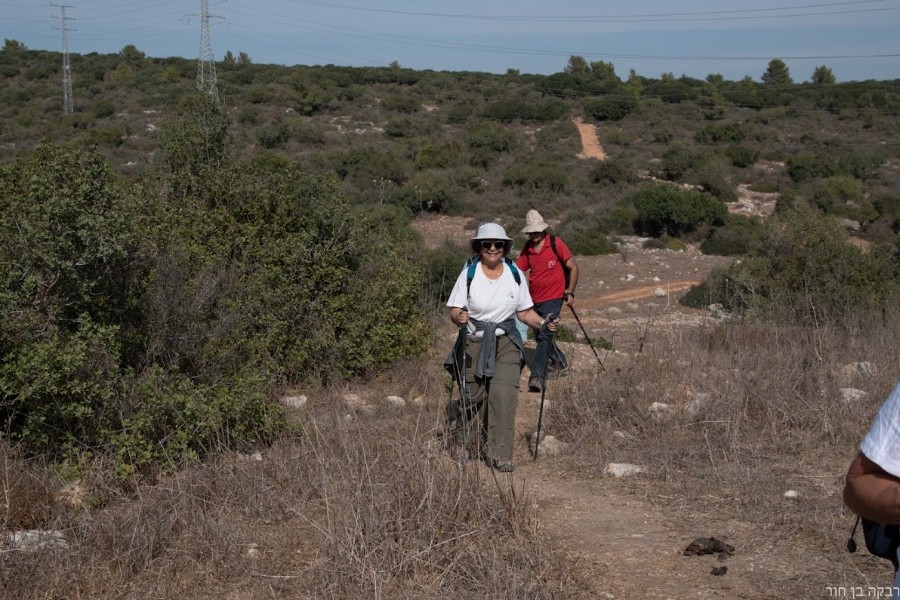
68	102
206	65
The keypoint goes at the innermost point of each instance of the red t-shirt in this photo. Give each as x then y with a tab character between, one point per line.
546	278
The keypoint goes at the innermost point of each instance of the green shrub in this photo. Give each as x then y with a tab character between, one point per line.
742	156
673	244
861	165
584	234
806	166
523	110
805	271
539	174
363	165
738	235
400	103
613	107
614	170
713	174
442	266
678	160
843	196
674	211
67	321
438	154
274	135
249	115
720	132
103	109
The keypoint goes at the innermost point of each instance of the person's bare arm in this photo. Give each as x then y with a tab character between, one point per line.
573	281
871	492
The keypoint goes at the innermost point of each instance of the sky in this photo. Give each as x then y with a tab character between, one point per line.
858	40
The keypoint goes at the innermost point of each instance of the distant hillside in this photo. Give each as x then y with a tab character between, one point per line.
488	145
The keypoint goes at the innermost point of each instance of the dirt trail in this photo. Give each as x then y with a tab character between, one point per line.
619	531
590	145
639	293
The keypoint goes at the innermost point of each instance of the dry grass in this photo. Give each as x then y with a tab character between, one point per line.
755	411
360	507
365	504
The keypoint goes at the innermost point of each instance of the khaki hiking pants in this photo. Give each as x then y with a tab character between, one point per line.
493	401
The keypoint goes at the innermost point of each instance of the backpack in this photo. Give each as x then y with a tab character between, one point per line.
470	271
567	272
882	540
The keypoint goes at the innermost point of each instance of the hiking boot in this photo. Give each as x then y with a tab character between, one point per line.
535	385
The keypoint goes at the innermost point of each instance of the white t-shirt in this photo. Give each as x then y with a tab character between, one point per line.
493	300
882	444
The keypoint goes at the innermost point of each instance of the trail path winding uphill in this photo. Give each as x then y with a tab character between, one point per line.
590	145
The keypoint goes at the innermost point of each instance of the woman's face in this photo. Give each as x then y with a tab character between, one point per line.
492	251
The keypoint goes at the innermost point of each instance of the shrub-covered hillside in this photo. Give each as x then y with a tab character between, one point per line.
169	260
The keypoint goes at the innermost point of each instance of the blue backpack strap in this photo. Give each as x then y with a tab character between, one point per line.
514	269
470	271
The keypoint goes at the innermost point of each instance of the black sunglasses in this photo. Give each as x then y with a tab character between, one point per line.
488	244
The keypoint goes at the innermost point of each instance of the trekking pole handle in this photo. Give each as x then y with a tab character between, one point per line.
550	318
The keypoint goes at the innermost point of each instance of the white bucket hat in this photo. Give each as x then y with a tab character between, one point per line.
534	222
490	231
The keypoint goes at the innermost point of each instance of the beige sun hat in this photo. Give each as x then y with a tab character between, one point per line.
534	222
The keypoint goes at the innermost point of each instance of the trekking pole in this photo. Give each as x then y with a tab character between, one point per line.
590	343
460	355
537	439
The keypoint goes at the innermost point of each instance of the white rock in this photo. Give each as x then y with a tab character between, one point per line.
294	401
852	394
396	401
656	280
614	310
418	401
255	456
659	407
792	494
352	399
35	539
622	469
629	277
659	292
550	446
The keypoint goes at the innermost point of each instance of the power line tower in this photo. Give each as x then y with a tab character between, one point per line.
206	65
68	102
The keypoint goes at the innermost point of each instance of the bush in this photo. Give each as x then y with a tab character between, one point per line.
713	174
539	174
741	156
806	166
584	234
721	132
614	170
805	271
402	104
67	318
739	235
522	110
614	107
674	211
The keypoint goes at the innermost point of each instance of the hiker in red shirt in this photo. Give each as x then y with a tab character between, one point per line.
552	276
